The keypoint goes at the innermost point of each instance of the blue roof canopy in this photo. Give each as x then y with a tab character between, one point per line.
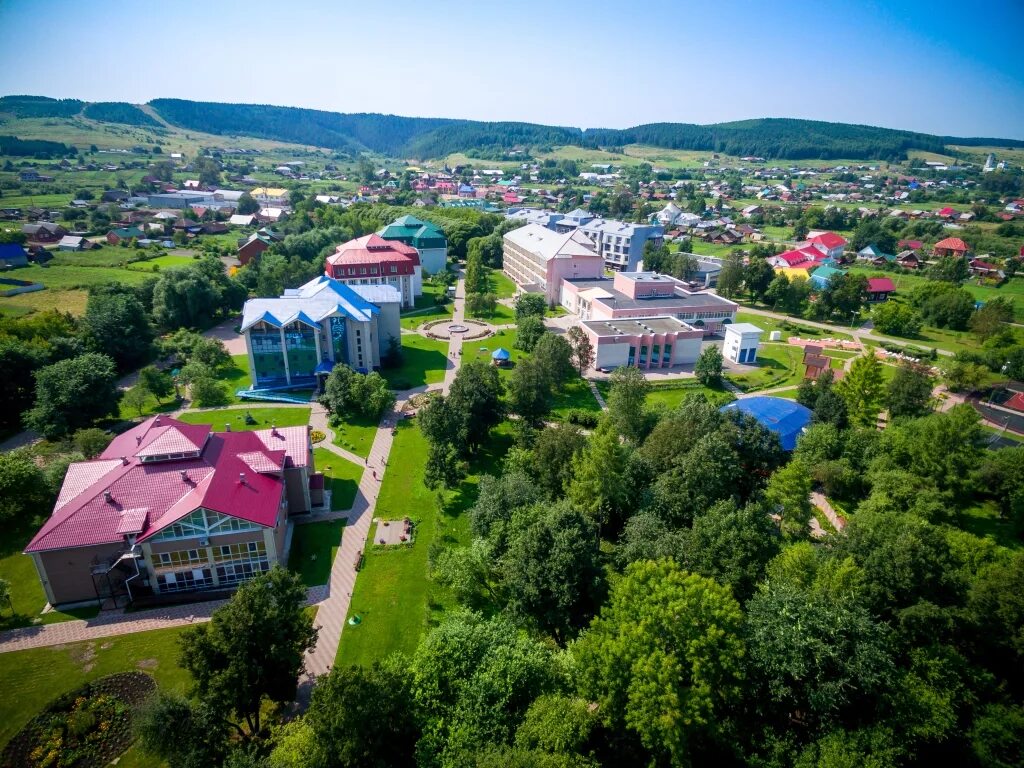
784	417
501	354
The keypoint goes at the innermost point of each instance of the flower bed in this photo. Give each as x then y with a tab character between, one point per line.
85	728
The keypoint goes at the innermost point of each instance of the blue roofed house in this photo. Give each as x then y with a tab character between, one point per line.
295	338
823	275
13	255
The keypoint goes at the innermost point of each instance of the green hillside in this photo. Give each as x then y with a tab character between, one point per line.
432	137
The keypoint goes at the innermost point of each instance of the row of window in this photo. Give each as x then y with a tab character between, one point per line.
362	270
204	522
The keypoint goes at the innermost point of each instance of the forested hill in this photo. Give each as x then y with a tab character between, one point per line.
430	137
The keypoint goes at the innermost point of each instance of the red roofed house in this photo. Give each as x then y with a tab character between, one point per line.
174	507
880	288
372	260
985	269
815	362
951	246
947	213
799	256
829	243
910	245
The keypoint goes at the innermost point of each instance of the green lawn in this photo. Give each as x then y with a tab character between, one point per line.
394	595
427	308
574	395
671	394
33	678
66	286
342	475
264	417
777	365
236	376
481	349
501	315
501	285
356	434
314	546
423	362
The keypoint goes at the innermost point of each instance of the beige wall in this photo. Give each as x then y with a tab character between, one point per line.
66	573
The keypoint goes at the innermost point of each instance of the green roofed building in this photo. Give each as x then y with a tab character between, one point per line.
426	238
823	275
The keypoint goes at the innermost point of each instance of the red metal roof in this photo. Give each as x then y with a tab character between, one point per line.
880	285
237	474
829	239
1016	402
952	244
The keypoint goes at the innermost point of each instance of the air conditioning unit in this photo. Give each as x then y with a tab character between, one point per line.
204	542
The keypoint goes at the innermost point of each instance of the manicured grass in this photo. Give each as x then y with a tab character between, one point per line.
26	591
574	395
423	362
342	475
671	394
501	315
264	418
236	376
356	434
314	546
427	308
501	285
149	408
33	678
481	349
777	365
394	595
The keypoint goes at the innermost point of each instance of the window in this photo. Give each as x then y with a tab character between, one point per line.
185	581
394	267
179	559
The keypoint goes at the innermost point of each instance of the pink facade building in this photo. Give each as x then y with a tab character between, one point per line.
637	295
653	342
539	260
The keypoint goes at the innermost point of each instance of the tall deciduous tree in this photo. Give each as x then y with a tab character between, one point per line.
363	716
530	391
708	368
597	474
116	324
552	571
530	329
862	389
73	394
627	402
553	453
664	658
909	392
582	349
789	490
554	355
252	649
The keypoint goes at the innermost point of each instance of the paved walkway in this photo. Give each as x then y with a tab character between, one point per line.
112	623
818	500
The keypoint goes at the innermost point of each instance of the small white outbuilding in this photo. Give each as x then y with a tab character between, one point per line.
741	342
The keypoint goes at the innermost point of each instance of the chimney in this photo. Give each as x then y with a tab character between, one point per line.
124	460
138	439
241	477
108	496
227	427
184	475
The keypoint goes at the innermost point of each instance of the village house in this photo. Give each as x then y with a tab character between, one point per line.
12	255
880	289
251	247
73	243
950	246
43	232
122	234
815	361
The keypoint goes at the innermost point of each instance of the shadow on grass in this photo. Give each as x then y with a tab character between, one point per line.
413	370
313	548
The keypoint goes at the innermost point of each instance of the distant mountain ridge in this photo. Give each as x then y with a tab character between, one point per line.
430	137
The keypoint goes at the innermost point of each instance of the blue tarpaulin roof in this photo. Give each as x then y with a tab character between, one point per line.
783	417
501	354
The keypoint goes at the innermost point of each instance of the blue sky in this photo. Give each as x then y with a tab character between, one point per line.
933	66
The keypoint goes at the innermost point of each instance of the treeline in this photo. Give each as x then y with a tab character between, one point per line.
40	106
118	112
775	138
12	145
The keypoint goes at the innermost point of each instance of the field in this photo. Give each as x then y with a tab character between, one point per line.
264	418
423	362
33	678
66	286
671	394
314	546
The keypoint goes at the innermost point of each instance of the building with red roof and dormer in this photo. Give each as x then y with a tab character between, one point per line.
172	507
950	246
372	260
